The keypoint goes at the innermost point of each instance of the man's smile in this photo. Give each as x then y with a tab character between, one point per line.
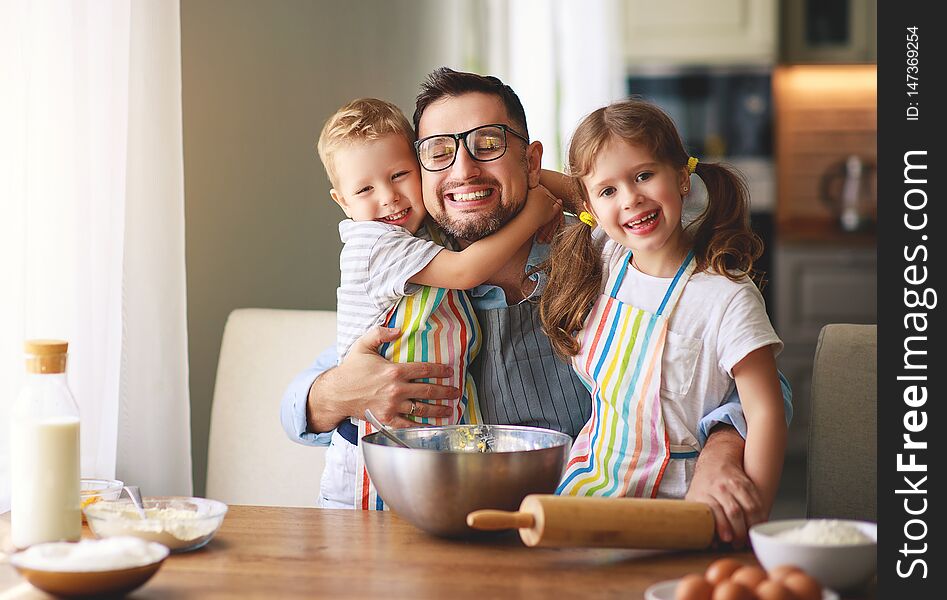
470	196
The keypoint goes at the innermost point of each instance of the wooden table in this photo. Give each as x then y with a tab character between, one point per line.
267	552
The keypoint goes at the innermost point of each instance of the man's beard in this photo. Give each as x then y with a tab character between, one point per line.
475	226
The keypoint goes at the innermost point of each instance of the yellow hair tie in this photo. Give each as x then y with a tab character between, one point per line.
691	164
587	218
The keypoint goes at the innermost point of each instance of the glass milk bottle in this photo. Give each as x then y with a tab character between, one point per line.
44	455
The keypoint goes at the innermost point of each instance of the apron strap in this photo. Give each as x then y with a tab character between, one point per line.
675	288
621	275
677	284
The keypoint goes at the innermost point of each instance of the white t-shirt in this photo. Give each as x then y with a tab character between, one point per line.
716	323
376	263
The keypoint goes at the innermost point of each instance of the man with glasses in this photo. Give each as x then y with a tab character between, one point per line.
483	143
477	165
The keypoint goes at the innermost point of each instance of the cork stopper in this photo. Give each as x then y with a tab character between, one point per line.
45	356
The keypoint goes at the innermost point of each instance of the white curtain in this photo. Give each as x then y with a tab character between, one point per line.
563	58
92	226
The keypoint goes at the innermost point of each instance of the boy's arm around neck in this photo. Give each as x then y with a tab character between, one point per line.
480	260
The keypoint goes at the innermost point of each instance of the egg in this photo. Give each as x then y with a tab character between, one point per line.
782	571
773	590
750	576
721	570
729	590
803	586
693	587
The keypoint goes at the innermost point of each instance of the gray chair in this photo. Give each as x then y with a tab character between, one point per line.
842	471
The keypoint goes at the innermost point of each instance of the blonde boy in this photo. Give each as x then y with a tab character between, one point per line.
393	273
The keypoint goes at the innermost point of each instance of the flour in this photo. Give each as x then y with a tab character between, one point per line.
175	528
90	555
825	532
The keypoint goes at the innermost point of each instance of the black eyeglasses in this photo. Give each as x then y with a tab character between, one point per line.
483	144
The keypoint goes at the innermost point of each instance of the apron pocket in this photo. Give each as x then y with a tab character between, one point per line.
678	364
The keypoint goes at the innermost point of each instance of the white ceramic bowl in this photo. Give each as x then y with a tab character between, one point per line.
840	567
42	565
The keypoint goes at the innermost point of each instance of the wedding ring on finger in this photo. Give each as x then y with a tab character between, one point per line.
414	408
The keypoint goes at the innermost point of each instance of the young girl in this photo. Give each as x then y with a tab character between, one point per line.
659	321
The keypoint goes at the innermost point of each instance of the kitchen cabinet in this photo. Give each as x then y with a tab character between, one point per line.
816	283
696	32
829	31
824	114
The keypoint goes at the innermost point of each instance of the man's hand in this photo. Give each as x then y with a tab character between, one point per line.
365	379
720	482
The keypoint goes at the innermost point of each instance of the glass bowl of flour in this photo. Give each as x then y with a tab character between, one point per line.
840	553
180	523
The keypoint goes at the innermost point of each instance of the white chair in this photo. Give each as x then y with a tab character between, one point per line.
250	459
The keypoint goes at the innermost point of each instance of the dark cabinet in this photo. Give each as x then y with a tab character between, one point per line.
829	31
817	284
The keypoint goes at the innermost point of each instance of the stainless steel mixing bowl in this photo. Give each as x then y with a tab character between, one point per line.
444	475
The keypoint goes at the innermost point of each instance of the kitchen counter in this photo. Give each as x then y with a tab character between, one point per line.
822	232
268	552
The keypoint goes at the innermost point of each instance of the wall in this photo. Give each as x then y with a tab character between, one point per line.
259	80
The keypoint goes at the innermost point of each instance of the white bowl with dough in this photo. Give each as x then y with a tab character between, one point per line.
90	568
181	523
819	550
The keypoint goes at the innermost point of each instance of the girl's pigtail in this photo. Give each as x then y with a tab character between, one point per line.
723	240
574	282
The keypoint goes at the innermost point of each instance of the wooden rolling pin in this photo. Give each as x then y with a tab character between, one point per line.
551	521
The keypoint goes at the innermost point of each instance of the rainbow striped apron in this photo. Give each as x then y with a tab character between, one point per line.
623	448
437	325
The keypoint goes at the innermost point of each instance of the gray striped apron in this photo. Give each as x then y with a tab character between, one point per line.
519	379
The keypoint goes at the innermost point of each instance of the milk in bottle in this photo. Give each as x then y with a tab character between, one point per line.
45	451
